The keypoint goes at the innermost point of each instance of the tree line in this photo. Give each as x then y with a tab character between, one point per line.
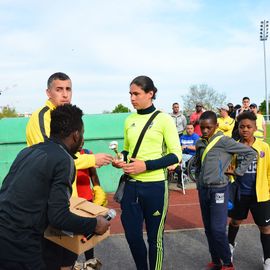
197	93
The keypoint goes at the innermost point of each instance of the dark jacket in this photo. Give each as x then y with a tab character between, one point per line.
217	160
36	193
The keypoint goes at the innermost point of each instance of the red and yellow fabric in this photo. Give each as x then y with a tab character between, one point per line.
82	186
83	183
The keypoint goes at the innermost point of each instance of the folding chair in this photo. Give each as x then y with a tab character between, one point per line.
187	170
184	174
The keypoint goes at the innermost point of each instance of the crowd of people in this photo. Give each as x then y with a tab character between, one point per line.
221	138
227	118
56	166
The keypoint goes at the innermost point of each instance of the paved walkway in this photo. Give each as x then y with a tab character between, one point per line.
184	250
183	212
184	239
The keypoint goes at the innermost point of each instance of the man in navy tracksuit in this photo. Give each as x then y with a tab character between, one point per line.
213	155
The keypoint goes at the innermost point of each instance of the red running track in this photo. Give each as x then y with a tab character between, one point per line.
183	213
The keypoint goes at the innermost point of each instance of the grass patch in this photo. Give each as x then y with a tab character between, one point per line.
268	133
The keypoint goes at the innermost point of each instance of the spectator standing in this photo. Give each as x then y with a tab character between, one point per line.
231	110
195	116
179	119
145	196
225	122
235	108
260	133
243	108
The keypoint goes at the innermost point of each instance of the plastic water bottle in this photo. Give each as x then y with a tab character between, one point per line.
230	205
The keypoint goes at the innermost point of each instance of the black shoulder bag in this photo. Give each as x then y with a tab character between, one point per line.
124	177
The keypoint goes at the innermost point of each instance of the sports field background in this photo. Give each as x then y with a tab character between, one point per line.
268	133
100	130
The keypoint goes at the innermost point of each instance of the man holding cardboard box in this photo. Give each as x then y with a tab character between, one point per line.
36	192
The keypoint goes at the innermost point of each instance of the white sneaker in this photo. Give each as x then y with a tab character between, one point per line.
266	265
232	250
92	264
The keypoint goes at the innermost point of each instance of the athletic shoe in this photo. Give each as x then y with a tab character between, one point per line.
213	266
92	264
225	267
232	249
266	265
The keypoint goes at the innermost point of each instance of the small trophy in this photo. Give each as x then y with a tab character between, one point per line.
114	146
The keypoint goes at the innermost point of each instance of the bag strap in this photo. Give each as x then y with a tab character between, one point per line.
137	146
210	146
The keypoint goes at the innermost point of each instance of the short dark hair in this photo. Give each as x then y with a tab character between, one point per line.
57	76
209	115
245	98
246	115
175	103
65	119
146	84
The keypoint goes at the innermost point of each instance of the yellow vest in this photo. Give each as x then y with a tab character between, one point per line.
259	133
263	171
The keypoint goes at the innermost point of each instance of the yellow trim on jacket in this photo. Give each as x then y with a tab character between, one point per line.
34	135
33	129
263	170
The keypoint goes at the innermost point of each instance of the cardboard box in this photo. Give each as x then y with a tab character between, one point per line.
80	207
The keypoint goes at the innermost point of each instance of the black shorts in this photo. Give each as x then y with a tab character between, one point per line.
55	256
260	210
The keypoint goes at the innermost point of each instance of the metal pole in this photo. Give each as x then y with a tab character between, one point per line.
263	37
265	83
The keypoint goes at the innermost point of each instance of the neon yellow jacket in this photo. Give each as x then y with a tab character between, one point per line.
226	125
263	171
160	139
38	129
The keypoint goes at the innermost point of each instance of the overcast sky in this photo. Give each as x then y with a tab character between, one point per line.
103	44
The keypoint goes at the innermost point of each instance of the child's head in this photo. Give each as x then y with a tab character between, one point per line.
208	124
247	124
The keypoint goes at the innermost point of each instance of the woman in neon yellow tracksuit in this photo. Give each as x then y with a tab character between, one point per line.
145	196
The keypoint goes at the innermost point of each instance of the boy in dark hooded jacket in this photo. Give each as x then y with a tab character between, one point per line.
214	152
